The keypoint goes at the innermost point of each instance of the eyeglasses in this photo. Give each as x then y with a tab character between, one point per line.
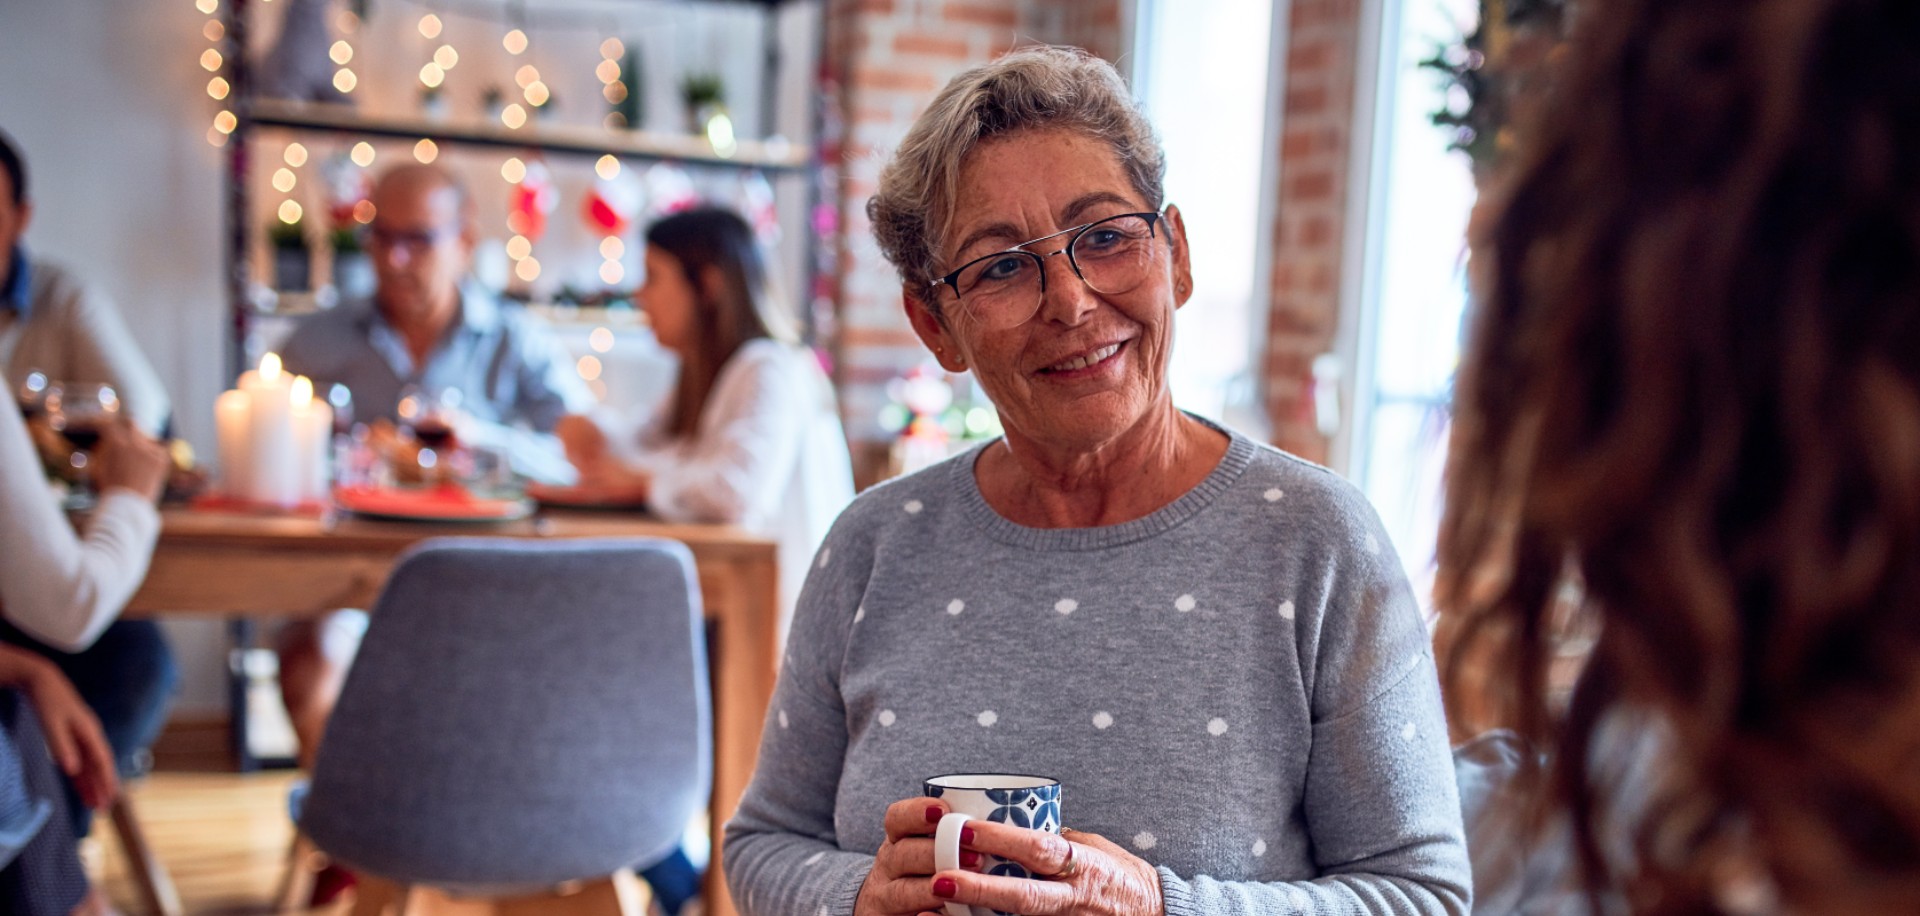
412	242
1003	289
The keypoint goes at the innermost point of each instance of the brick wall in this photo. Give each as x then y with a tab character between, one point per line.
1316	125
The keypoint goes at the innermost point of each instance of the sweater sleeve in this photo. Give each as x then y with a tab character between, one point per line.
783	856
749	439
1380	797
59	588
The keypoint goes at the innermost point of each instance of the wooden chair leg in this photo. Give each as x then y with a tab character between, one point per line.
157	894
619	894
304	862
376	896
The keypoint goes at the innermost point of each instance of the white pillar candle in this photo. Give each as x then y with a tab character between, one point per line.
274	471
231	419
312	438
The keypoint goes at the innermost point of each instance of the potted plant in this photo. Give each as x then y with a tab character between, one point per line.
705	95
292	258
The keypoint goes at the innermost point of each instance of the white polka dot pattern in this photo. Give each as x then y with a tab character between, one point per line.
955	606
913	506
859	613
986	719
814	859
783	718
886	717
1259	848
1103	720
1066	606
1144	840
1217	727
1274	495
1286	610
825	554
1184	603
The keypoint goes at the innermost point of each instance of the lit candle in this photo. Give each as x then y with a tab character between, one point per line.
273	470
312	438
231	416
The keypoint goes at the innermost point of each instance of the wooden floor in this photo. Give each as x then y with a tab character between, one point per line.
222	836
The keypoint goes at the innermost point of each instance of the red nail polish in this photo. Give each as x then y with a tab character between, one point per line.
969	858
934	814
944	887
966	834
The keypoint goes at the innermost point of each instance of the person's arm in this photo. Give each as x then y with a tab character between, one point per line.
72	731
103	349
1381	801
545	389
750	436
782	854
59	588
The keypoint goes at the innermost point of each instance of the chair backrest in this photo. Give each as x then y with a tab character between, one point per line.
520	713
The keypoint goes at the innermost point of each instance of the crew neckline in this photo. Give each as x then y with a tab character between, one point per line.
1239	455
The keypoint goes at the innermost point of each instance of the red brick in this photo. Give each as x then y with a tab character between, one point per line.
1317	232
913	43
1311	186
889	78
997	16
1306	100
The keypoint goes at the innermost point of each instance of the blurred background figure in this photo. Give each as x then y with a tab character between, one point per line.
1689	429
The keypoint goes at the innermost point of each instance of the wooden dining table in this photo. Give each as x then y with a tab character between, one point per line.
287	566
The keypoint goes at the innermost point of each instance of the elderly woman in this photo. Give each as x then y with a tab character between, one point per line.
1208	642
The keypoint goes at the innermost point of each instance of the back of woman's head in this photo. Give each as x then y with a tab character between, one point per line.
1690	420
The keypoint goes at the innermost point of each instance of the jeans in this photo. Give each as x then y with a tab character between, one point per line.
674	881
128	677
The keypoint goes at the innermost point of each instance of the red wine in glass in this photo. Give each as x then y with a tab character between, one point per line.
82	435
433	432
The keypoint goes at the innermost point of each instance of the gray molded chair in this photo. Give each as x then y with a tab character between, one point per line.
522	717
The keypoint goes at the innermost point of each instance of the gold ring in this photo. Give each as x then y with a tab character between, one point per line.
1071	867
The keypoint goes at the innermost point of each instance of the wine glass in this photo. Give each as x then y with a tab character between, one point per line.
32	395
430	414
80	412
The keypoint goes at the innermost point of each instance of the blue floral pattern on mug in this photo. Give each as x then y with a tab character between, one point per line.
1035	809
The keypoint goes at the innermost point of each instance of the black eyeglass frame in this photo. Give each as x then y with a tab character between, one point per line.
951	280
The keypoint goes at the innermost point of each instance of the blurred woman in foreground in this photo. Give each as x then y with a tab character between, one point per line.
1689	423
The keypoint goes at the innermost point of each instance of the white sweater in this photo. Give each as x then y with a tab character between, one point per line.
60	588
768	455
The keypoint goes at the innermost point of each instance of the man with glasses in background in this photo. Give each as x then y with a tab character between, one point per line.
429	330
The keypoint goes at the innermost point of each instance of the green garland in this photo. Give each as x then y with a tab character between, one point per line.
1475	65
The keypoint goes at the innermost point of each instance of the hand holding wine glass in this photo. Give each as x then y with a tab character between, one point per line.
128	459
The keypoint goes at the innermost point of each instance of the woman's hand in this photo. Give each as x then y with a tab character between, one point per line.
128	459
72	731
586	445
901	883
1085	875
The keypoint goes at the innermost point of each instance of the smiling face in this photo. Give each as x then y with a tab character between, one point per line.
1086	367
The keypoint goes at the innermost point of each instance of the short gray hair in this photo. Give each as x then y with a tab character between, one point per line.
1036	87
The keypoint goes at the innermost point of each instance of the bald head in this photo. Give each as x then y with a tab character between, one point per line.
422	246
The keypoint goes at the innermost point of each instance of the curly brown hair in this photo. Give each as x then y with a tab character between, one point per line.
1689	422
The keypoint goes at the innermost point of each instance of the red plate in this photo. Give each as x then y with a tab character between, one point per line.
436	504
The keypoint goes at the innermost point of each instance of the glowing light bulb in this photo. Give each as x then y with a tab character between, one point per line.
210	60
289	213
446	57
607	167
207	6
363	212
430	26
216	138
346	22
426	151
217	87
432	76
341	52
601	340
612	248
720	134
611	49
611	272
615	92
538	94
362	154
528	269
513	116
283	180
225	122
608	71
518	247
296	155
515	42
526	76
513	170
214	30
588	367
344	80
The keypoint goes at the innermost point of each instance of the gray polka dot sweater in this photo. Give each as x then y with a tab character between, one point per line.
1237	688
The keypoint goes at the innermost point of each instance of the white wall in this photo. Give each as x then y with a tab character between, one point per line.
109	108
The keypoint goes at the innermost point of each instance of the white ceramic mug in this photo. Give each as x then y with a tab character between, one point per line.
1023	801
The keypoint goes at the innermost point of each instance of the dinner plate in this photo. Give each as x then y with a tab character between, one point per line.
434	504
587	497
